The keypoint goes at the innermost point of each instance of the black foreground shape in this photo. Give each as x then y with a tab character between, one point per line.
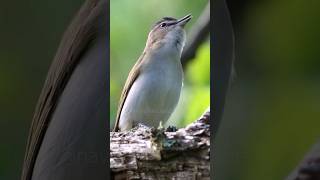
67	138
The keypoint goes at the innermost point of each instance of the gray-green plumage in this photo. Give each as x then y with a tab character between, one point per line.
153	87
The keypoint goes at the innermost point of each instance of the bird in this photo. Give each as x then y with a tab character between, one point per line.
67	138
152	89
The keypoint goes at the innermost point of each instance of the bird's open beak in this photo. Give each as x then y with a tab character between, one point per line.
183	21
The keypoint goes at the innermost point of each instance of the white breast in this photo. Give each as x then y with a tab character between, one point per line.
155	93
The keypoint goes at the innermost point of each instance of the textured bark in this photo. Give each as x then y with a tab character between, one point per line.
149	153
309	167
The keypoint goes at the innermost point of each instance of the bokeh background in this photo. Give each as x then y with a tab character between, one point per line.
272	111
29	36
272	114
130	23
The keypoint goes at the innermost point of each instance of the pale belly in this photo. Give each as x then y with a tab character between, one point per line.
152	98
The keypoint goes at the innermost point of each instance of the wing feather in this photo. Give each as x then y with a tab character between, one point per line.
133	75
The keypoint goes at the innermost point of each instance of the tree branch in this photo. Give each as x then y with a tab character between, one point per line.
309	167
198	34
149	153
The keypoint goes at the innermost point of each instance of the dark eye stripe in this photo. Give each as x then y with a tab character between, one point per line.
171	23
168	20
167	24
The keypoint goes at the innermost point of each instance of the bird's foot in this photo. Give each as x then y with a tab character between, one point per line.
171	129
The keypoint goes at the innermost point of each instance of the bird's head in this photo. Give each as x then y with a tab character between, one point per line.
169	32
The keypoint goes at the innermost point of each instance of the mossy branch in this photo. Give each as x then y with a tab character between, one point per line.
149	153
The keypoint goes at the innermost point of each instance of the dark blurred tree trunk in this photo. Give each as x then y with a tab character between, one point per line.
237	11
223	56
197	35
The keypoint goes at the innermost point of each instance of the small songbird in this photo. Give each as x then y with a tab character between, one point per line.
153	87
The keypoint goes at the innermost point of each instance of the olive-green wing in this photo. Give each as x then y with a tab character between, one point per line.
133	75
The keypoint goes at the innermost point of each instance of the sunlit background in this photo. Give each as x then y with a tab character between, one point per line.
272	115
130	23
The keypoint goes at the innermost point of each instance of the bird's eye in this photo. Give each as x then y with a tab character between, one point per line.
163	24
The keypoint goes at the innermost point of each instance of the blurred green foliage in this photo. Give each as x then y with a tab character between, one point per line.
273	109
197	85
130	23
